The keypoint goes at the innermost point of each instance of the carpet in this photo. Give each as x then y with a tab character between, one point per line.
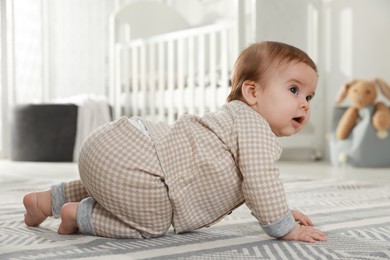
355	216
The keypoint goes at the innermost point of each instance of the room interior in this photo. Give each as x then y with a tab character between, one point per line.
64	62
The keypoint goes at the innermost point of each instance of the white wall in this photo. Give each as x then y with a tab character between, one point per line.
134	21
282	20
207	11
362	49
78	46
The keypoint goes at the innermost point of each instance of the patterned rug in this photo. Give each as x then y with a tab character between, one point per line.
355	216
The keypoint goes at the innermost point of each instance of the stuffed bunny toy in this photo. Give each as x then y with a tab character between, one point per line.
363	93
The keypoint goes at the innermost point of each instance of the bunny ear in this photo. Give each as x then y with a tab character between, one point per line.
343	92
384	87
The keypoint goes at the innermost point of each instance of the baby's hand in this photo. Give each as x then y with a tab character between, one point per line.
303	230
305	233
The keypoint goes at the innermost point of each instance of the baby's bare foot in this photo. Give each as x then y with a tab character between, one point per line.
38	207
69	218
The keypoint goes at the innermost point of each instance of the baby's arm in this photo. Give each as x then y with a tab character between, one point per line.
258	150
303	230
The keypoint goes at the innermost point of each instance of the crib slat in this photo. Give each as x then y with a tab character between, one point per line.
213	73
180	76
126	34
152	71
201	75
161	85
142	82
224	64
125	83
134	81
118	82
189	96
170	89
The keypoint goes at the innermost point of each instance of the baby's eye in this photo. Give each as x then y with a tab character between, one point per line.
309	98
294	89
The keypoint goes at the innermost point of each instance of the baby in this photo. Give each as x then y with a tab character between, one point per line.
137	178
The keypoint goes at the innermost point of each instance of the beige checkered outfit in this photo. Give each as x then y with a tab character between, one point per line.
190	174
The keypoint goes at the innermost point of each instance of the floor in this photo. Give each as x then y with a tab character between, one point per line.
11	170
288	169
324	170
355	217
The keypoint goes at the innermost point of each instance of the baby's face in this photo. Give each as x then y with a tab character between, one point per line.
284	101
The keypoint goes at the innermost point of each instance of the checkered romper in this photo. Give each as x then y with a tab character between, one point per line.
190	174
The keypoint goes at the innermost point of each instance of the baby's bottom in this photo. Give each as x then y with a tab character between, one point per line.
120	193
119	169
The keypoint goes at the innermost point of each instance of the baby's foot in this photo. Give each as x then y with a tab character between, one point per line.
38	207
69	218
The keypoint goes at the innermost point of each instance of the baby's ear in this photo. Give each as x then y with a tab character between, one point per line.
248	90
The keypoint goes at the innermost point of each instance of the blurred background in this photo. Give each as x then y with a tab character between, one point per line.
53	49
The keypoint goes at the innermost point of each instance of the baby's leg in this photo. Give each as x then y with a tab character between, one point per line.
42	204
106	224
90	218
75	191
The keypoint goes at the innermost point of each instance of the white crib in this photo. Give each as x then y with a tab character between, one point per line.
165	76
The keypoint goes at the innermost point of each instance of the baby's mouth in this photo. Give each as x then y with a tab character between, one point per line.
299	119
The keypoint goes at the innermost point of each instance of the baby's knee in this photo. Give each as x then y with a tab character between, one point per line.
159	228
156	233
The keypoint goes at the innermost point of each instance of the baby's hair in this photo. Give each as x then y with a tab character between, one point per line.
255	61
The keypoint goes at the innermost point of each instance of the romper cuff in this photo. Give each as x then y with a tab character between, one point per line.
57	199
84	216
280	227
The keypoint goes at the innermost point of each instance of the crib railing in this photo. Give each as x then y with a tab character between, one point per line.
163	77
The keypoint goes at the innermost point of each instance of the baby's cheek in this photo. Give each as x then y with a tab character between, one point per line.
308	116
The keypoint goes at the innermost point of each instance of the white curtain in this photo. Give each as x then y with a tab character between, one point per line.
56	48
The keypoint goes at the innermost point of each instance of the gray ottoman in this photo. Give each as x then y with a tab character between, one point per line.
43	132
